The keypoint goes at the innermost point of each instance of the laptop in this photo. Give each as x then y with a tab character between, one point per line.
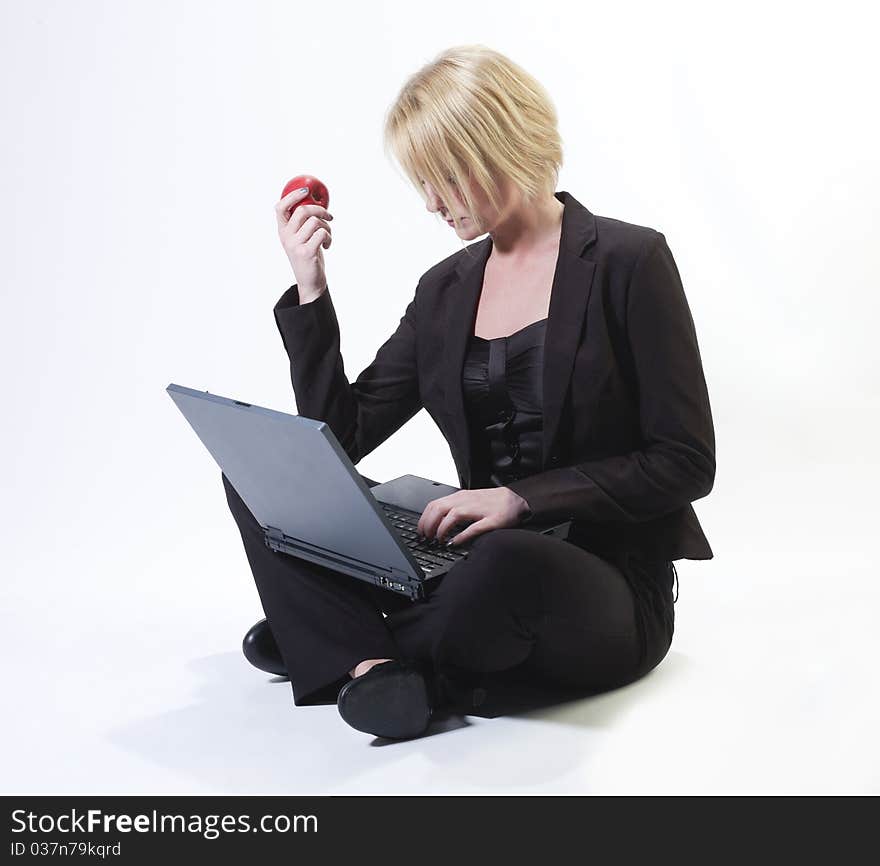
312	503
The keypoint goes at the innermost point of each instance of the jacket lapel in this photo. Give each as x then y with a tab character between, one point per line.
570	293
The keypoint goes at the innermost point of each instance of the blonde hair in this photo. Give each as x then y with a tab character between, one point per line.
472	114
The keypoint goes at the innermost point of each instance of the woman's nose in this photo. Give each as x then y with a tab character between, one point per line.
432	200
434	206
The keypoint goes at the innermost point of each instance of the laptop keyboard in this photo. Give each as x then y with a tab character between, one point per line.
430	554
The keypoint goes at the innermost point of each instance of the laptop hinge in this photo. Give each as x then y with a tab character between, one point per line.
278	540
390	577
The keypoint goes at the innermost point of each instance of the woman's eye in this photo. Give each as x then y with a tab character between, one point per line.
450	179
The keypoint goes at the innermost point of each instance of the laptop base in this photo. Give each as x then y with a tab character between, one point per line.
392	579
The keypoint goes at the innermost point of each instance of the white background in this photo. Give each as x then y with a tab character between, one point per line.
144	147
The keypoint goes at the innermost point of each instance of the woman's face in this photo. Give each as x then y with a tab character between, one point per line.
465	227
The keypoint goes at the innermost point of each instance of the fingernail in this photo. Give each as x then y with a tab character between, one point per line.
449	543
330	216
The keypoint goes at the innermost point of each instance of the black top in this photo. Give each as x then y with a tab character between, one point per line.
503	395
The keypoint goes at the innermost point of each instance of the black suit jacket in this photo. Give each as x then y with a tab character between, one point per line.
629	441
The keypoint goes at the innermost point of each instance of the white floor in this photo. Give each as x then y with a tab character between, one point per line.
126	677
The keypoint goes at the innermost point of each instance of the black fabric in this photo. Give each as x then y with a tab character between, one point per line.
622	444
503	392
525	621
628	442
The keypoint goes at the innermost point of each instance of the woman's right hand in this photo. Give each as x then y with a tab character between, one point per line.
303	232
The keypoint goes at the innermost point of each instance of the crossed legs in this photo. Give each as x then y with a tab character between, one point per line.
523	613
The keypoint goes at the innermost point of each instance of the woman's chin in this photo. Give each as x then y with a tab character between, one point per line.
464	225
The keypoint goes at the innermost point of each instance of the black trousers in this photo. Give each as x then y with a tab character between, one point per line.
525	621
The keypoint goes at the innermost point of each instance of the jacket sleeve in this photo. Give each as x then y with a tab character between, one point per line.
362	414
676	464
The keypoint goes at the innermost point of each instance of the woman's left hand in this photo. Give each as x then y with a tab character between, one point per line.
489	508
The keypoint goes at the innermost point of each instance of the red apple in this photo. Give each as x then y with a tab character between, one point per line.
317	193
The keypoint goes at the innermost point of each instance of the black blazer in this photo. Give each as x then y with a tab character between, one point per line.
629	441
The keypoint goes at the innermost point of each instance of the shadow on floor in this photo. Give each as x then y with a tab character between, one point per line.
245	735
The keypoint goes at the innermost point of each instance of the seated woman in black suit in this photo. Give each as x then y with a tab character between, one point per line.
559	359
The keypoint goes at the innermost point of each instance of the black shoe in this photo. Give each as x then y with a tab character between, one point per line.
393	699
261	651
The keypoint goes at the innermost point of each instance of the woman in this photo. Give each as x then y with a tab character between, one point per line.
559	359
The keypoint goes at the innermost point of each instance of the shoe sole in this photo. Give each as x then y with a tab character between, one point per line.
394	705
